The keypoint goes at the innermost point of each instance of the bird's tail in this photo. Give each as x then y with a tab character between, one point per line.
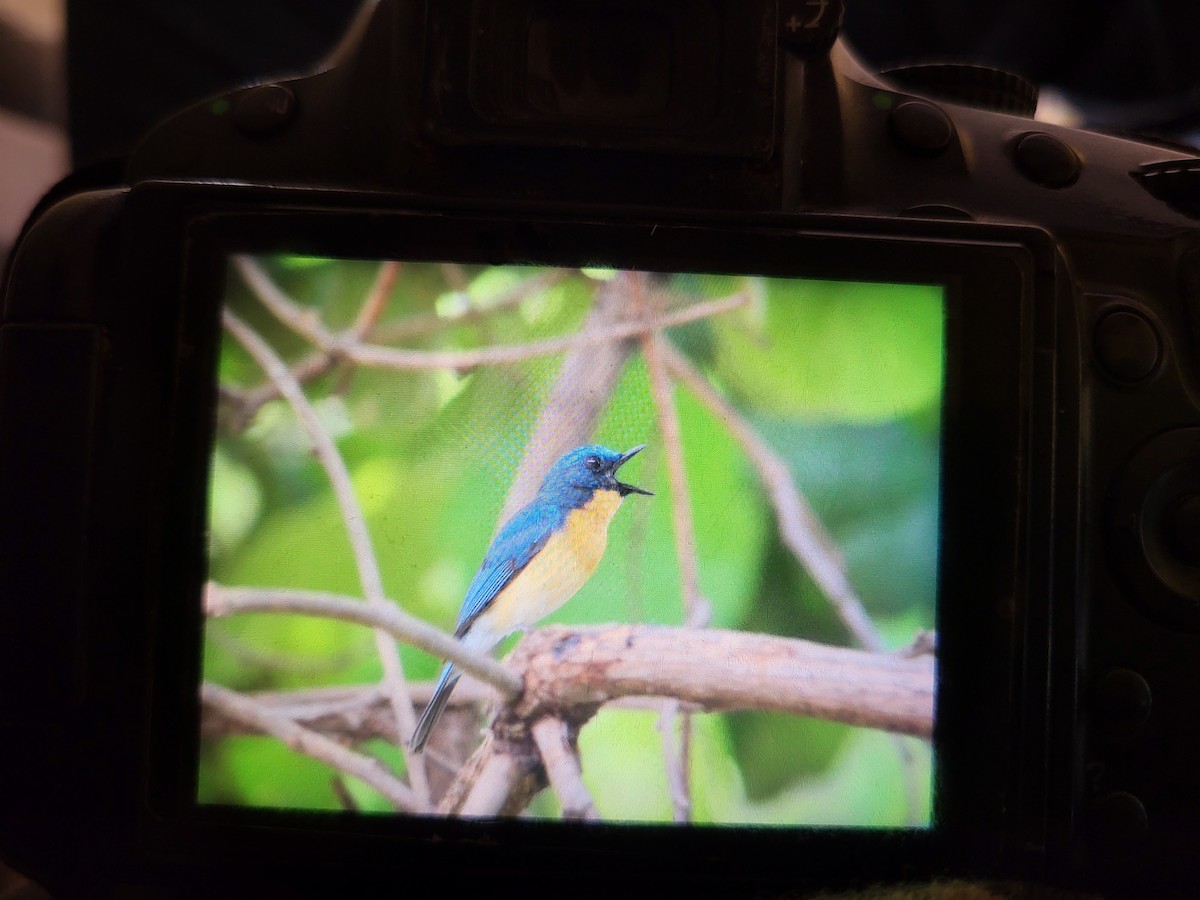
437	703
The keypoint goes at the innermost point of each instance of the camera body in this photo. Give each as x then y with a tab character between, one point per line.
676	135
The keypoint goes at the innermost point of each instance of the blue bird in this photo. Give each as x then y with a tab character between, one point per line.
540	558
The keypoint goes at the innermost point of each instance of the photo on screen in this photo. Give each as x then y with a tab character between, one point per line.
756	619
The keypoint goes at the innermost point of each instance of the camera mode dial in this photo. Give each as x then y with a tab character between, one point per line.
969	85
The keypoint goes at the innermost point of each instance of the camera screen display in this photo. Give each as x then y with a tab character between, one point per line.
684	527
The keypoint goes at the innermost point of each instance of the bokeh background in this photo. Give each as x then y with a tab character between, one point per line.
843	380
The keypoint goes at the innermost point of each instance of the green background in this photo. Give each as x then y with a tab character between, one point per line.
842	379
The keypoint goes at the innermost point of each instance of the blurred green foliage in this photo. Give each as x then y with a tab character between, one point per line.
842	379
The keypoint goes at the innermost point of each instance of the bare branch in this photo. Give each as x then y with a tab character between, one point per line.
376	299
696	610
308	324
568	672
799	527
342	792
500	779
390	618
253	715
571	669
561	759
677	757
359	713
428	323
356	527
247	403
509	354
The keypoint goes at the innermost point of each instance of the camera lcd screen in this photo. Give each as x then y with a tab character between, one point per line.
743	637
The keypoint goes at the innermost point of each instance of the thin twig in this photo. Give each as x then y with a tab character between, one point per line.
563	770
510	354
356	528
221	600
675	758
359	713
376	300
799	528
246	403
372	308
368	769
342	792
307	324
696	610
427	323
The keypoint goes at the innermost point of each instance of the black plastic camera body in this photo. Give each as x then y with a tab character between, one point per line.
680	136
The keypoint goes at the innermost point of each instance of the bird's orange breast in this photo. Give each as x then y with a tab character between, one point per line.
586	528
562	567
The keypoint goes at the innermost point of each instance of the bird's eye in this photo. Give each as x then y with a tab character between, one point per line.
593	463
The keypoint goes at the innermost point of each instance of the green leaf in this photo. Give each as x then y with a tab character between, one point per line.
865	788
875	488
773	749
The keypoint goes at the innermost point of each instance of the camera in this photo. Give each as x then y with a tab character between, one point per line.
916	590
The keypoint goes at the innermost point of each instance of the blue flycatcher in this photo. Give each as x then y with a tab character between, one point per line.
539	559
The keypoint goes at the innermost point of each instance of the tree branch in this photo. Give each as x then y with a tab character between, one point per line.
227	601
696	610
357	713
376	299
556	744
500	779
360	540
256	717
571	673
569	670
307	324
428	323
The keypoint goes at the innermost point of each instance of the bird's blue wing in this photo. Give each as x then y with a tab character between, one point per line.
519	541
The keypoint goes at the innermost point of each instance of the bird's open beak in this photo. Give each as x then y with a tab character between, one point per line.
626	489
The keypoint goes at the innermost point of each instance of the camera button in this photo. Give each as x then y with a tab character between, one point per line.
1121	700
921	127
1046	160
1152	526
1126	346
263	110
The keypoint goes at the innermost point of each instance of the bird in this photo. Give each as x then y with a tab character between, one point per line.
537	562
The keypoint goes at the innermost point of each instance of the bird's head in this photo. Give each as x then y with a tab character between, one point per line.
592	468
